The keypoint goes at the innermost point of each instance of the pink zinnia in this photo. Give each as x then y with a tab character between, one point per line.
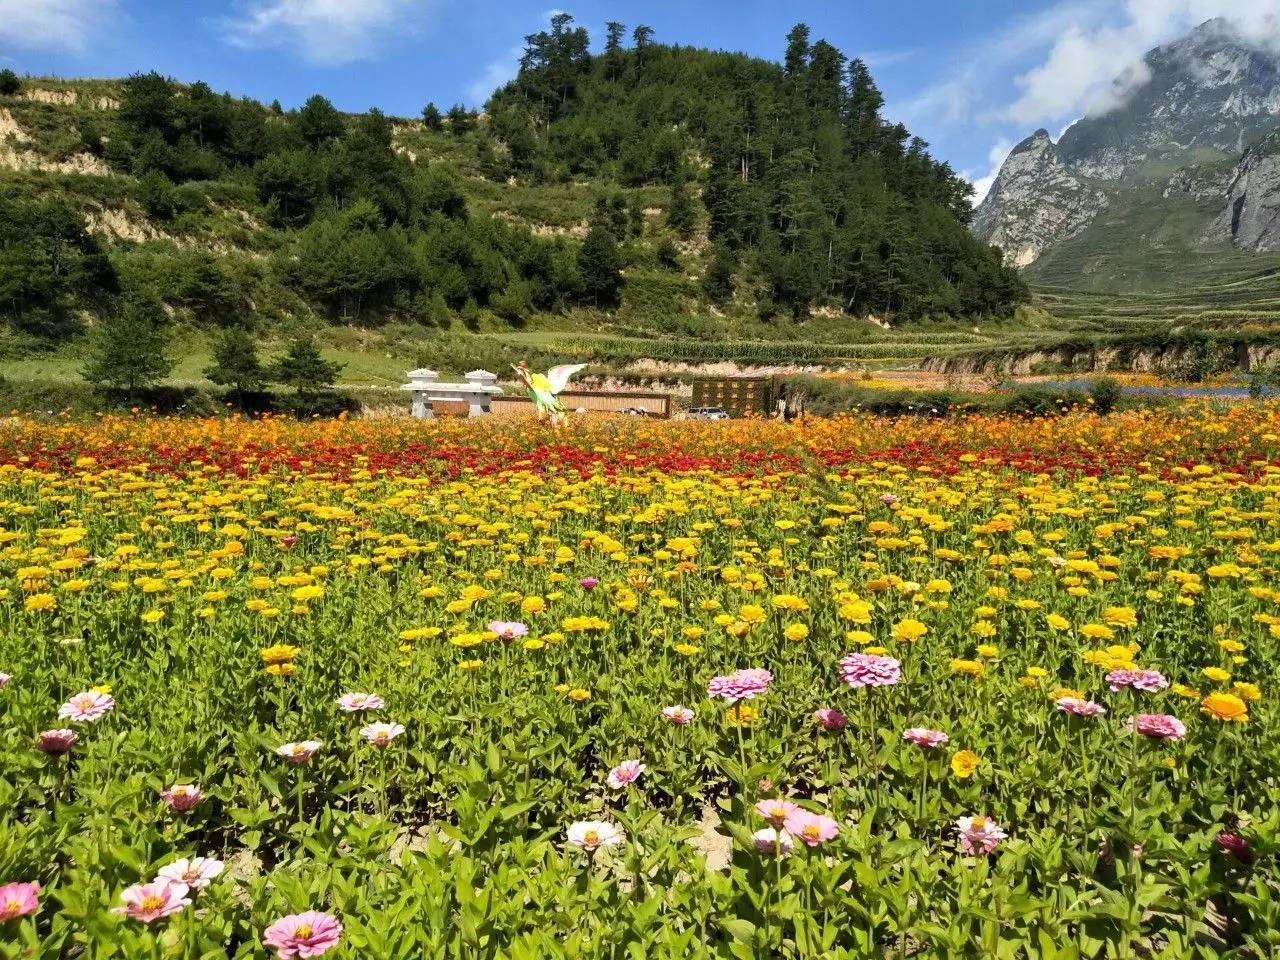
355	702
181	797
829	718
625	774
196	873
309	934
979	833
870	670
1158	726
740	685
776	843
18	900
811	829
4	680
299	752
1149	681
148	902
588	583
56	741
888	499
924	737
678	715
381	734
86	707
1078	707
776	811
508	629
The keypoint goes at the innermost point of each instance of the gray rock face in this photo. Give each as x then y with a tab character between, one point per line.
1252	215
1195	102
1036	199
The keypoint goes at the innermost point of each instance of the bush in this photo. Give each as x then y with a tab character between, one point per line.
1105	392
9	83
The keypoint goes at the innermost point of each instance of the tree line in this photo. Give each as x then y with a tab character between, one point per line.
805	194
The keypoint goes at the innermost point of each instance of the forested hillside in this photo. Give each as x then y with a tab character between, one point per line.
647	185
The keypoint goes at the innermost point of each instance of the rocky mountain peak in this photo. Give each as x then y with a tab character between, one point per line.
1202	98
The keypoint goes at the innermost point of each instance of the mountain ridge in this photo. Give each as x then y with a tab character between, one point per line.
1191	115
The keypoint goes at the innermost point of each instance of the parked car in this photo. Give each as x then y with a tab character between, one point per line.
635	411
708	413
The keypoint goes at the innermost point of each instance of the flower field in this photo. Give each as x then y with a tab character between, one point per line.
852	688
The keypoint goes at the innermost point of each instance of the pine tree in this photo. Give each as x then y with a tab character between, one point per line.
304	369
9	83
129	350
431	117
717	282
682	211
600	267
236	363
319	121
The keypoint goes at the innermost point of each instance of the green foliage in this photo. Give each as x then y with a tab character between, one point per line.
236	363
1104	392
802	169
303	368
129	350
808	195
717	282
48	265
600	267
9	82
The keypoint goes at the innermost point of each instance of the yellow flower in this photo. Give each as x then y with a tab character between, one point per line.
1057	622
532	606
1246	691
1120	617
909	631
987	651
741	714
1216	674
1037	672
1182	690
467	666
790	602
280	669
279	653
152	616
1225	706
968	668
687	649
533	643
1231	646
40	603
1061	693
1097	631
795	631
578	694
964	764
983	628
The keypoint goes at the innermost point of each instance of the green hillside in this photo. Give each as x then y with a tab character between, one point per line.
648	194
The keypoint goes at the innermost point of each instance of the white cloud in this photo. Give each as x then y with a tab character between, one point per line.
52	24
326	32
504	68
496	73
996	157
1078	71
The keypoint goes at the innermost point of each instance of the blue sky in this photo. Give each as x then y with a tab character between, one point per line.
970	76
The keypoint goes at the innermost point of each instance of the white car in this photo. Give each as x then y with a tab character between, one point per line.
708	413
